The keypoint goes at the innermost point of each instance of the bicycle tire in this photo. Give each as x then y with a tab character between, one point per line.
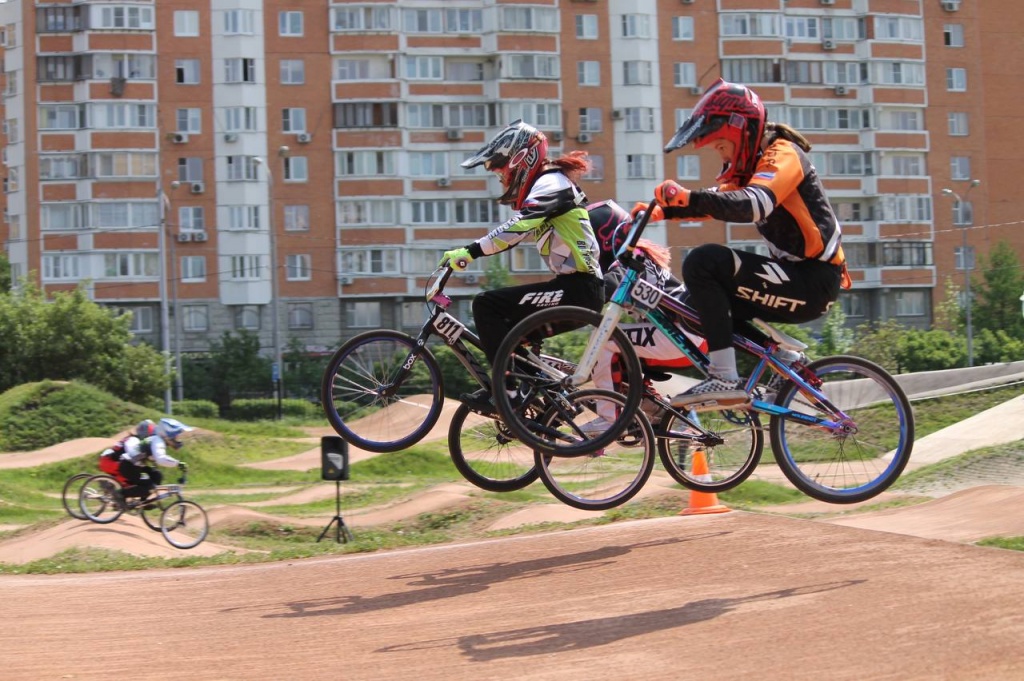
151	515
609	477
359	400
560	332
729	463
98	499
860	463
69	496
184	524
487	454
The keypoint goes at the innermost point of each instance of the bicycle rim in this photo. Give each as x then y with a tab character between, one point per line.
862	456
365	405
71	494
728	463
98	500
486	453
609	477
151	516
184	524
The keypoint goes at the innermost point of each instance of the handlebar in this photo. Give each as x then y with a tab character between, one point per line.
446	271
634	234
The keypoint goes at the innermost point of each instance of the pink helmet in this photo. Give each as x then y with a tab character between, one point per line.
726	111
519	152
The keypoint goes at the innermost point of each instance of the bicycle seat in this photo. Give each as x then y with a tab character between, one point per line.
784	340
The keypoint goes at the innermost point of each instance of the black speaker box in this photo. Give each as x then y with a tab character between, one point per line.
333	458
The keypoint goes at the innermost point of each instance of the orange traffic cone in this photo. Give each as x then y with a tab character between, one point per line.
702	502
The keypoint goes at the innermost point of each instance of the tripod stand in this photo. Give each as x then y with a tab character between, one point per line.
342	533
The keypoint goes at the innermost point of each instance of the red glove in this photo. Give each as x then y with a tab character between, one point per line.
657	214
671	193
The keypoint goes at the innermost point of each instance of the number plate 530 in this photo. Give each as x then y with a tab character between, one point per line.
449	328
645	294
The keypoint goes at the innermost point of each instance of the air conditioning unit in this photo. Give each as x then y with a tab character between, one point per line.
472	278
231	137
184	237
179	137
583	137
617	114
454	134
304	138
345	280
828	2
842	90
198	187
199	236
828	44
444	182
696	90
951	5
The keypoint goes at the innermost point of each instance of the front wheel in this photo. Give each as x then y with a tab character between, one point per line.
487	454
184	524
534	363
69	496
381	392
731	442
101	499
612	475
152	510
862	439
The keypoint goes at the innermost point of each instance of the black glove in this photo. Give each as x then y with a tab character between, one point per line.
182	466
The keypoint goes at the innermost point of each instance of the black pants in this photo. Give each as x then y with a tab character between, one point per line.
140	487
496	312
728	288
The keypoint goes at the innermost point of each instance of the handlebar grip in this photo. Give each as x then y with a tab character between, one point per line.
462	263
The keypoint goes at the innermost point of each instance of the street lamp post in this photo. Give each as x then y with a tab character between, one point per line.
278	370
179	385
165	322
965	261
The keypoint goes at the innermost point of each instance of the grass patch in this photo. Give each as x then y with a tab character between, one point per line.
761	493
1012	543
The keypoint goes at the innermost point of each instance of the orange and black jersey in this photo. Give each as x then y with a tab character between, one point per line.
784	199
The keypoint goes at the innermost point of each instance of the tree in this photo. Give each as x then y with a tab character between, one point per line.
996	300
236	368
930	350
836	339
5	273
497	274
73	338
996	347
949	313
879	343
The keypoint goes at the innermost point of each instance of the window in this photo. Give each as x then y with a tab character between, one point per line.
422	20
360	315
533	66
289	24
186	23
130	265
293	120
636	26
142	319
639	119
463	20
476	211
119	214
588	73
960	168
902	120
428	163
898	73
960	256
903	208
195	318
126	17
191	218
58	19
247	317
956	79
849	163
586	26
429	212
963	213
240	70
245	268
123	65
298	267
590	119
193	268
365	163
60	267
843	28
61	116
293	72
909	303
239	21
424	68
682	28
300	315
853	304
366	212
527	260
911	254
190	170
636	73
953	35
640	166
529	19
596	171
186	71
902	29
958	126
366	115
189	120
352	69
296	218
240	118
684	74
422	260
124	164
801	28
688	167
61	216
296	169
904	165
62	167
412	314
122	115
56	69
464	71
424	115
470	115
243	217
542	115
754	24
241	168
361	19
682	115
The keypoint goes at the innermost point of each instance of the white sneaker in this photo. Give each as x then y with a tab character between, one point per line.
596	427
712	393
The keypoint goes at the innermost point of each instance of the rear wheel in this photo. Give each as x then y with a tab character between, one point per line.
101	500
152	510
731	445
487	454
70	494
184	524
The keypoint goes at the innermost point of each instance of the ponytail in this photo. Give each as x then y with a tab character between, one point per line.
774	130
573	165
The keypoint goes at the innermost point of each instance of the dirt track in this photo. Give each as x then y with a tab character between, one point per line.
733	596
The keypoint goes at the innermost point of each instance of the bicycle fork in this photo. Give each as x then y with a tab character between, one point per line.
598	339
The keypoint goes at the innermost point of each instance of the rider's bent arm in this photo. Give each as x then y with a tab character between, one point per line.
158	450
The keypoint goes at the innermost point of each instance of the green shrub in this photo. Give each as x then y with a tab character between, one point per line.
37	415
203	409
262	409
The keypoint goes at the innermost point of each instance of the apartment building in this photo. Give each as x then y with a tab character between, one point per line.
292	168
